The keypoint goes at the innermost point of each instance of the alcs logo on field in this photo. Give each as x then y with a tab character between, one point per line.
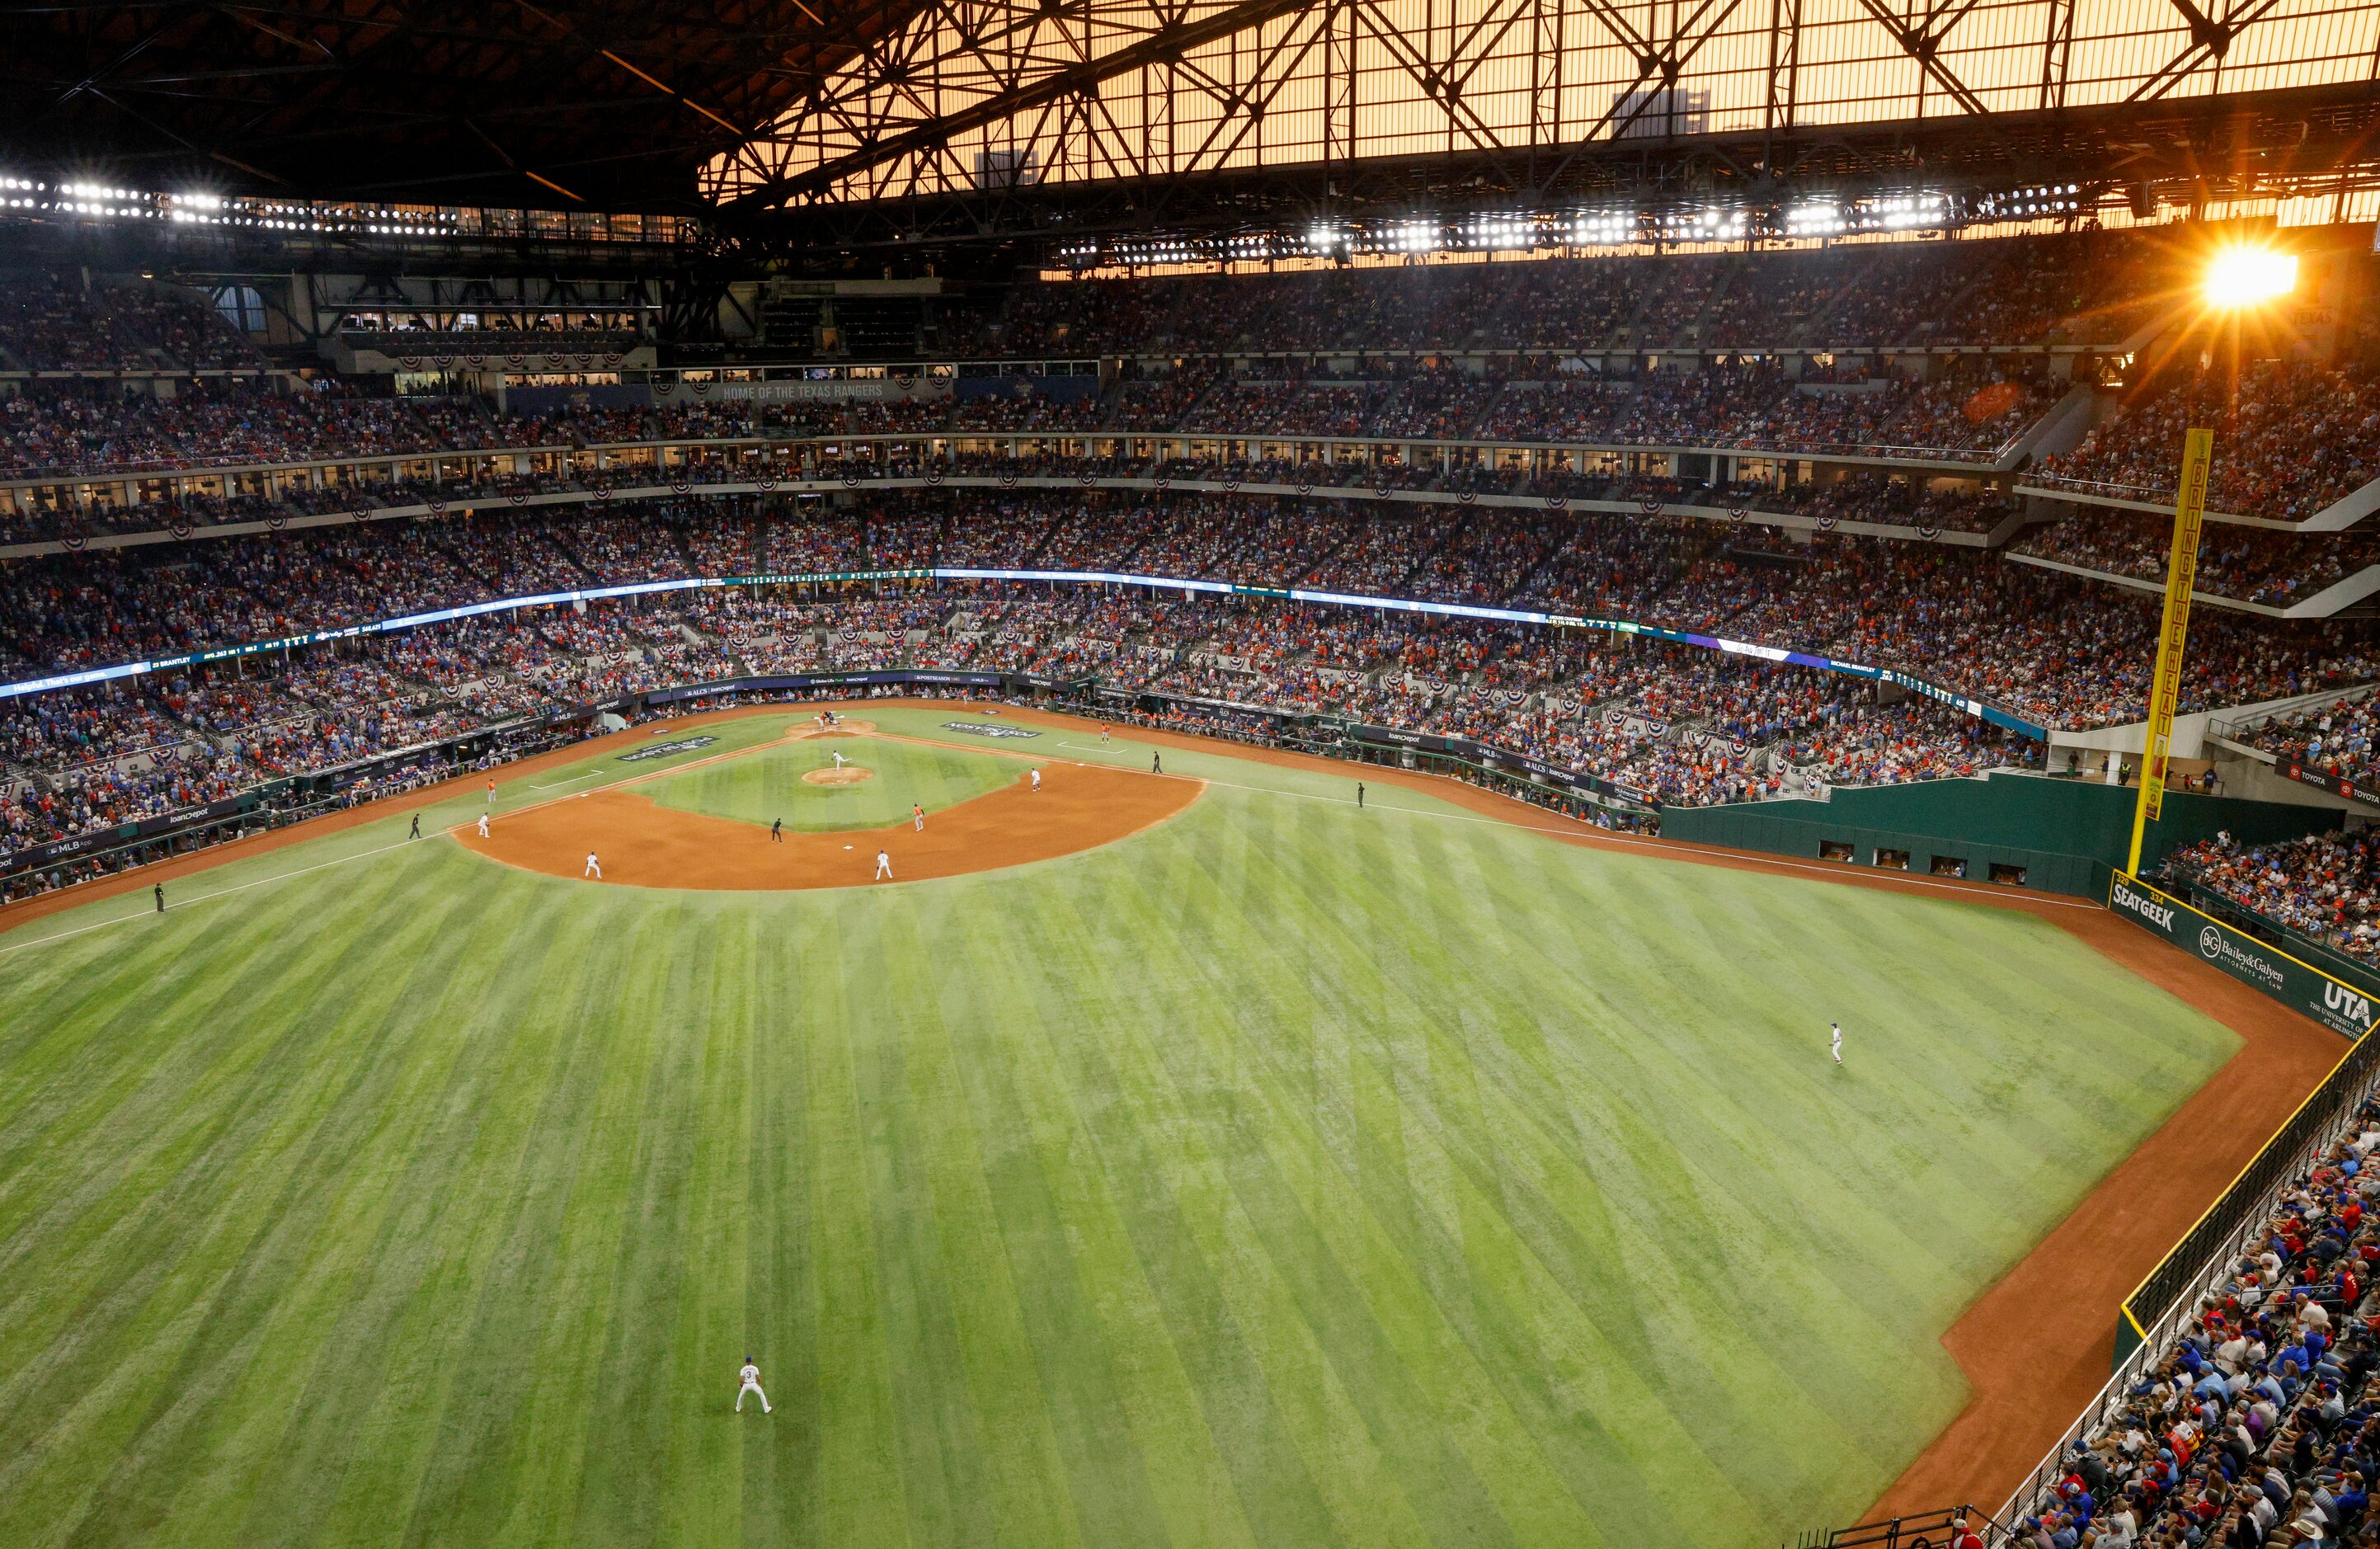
975	729
663	750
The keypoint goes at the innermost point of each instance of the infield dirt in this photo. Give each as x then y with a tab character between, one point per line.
643	844
2034	1347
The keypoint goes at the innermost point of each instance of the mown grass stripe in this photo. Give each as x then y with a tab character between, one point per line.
1286	1174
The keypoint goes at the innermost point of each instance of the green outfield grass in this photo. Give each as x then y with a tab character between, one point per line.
1285	1175
765	785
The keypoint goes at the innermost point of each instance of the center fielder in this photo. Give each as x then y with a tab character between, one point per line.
751	1379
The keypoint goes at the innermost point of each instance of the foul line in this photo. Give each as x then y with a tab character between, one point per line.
203	897
383	850
624	781
1698	853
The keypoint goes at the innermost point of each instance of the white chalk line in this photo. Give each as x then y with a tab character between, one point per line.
624	781
469	824
205	897
1835	873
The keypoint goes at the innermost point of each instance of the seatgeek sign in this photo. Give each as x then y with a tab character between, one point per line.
1976	707
2302	987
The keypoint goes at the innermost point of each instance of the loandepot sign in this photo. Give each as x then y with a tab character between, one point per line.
2300	986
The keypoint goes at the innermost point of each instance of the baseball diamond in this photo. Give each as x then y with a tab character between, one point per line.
1083	774
1266	1169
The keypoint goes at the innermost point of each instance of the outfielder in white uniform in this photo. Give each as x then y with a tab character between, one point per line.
1837	1028
751	1375
1036	779
483	825
593	870
883	866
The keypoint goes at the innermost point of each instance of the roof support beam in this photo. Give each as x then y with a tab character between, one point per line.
1161	45
1923	45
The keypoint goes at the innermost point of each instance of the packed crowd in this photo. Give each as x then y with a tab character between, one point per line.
1675	722
56	322
2336	739
2293	437
2326	886
2259	1427
2088	287
2255	564
85	429
1669	724
2057	649
93	428
1755	406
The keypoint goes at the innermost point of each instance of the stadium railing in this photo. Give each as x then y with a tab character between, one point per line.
1922	1530
2154	1314
2205	1253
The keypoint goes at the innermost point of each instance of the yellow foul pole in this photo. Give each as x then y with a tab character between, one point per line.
2181	570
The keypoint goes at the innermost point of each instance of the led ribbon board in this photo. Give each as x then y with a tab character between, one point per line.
1961	702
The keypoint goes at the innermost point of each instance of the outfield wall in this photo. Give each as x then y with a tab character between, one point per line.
2160	1308
2068	836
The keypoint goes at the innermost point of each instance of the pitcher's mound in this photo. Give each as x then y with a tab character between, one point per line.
845	728
849	775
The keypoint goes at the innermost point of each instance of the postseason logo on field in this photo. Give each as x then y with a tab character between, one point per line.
977	728
663	750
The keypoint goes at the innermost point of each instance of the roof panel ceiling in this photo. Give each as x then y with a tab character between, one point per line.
437	101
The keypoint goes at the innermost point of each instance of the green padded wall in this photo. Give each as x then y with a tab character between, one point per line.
2067	834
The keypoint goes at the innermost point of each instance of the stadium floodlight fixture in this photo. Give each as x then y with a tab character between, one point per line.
1606	227
2246	275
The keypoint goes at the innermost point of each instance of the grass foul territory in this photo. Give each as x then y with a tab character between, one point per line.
1284	1174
